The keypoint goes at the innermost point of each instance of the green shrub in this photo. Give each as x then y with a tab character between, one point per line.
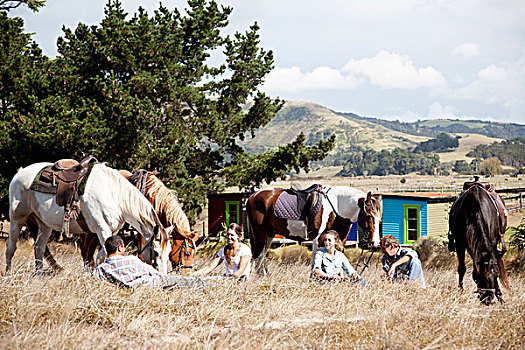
434	253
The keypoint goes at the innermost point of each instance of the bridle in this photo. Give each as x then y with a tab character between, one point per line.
149	246
181	250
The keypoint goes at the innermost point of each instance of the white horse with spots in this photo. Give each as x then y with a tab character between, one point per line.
109	201
354	205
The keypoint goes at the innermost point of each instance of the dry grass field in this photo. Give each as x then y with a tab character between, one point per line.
283	310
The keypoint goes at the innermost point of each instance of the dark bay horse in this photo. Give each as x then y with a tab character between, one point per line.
341	207
475	224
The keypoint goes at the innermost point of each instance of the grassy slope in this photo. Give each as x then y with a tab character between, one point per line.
310	118
466	144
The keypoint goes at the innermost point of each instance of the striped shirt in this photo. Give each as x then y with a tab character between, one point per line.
128	271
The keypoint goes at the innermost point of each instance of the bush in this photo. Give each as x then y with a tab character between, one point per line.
293	254
434	253
517	236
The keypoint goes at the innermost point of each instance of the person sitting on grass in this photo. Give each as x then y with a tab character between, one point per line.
400	263
330	262
236	256
130	271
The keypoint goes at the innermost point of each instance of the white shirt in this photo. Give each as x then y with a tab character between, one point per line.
236	260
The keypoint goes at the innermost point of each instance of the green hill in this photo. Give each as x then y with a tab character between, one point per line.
318	122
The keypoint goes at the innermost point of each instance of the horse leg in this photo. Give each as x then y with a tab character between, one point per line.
40	247
89	244
262	265
14	233
461	266
33	230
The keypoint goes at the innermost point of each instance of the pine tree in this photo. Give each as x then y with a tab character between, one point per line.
142	93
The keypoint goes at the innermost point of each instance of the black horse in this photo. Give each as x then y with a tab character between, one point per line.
477	222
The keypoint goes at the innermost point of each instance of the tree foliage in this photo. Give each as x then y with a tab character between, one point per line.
398	162
442	142
509	152
141	92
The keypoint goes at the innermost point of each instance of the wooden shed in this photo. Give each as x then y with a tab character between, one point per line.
410	216
226	208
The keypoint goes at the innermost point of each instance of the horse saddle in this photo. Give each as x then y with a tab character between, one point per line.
298	203
64	180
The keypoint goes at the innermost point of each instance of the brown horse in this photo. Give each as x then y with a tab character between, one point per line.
477	225
168	208
341	207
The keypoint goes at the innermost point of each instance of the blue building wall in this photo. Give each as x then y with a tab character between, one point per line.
393	217
352	234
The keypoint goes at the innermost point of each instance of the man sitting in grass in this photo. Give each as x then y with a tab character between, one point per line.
130	271
400	263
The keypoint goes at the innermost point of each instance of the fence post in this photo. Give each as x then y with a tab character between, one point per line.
521	200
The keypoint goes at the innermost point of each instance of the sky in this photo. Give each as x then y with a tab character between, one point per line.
391	59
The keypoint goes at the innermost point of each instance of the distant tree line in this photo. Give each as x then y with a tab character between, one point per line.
398	162
442	142
509	152
491	129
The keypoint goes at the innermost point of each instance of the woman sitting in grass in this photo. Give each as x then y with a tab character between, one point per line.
330	262
236	256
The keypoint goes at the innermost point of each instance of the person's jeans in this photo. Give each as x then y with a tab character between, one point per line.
416	272
171	282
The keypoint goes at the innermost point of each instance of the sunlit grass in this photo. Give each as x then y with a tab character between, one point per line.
283	310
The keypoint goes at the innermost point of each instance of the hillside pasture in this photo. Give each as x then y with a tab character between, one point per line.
284	310
466	144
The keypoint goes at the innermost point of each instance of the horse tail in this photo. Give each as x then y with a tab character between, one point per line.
503	274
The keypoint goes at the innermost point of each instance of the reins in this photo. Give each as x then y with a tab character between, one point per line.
364	260
180	249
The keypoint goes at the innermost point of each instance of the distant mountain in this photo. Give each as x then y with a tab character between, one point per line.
318	122
432	128
352	131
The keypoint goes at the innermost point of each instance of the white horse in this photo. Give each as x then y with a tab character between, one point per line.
341	207
109	201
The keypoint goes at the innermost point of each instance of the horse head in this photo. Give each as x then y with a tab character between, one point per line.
370	217
485	274
183	251
155	251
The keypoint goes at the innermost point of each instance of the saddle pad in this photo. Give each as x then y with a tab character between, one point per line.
286	207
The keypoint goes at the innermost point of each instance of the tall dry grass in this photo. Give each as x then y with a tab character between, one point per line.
283	310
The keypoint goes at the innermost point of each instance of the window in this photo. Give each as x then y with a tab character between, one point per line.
412	227
232	212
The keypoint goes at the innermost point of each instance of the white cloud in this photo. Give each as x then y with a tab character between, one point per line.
321	78
466	51
503	83
438	111
386	70
391	70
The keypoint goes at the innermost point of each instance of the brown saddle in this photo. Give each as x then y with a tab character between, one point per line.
67	176
64	179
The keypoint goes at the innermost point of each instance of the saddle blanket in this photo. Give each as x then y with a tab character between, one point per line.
286	207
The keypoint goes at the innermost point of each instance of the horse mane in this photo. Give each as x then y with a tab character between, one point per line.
167	205
132	201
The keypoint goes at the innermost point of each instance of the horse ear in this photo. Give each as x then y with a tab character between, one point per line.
369	197
361	202
125	173
169	230
380	198
195	235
